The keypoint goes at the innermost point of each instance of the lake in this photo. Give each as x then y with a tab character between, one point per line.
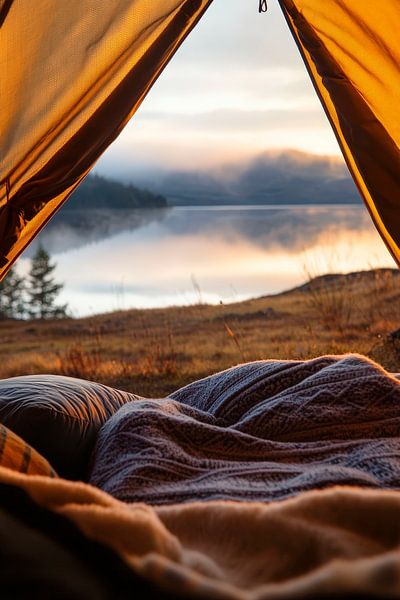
185	255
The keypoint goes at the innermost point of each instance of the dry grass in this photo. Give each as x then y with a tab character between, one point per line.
153	352
333	304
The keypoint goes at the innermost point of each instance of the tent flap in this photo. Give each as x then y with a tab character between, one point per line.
352	53
72	75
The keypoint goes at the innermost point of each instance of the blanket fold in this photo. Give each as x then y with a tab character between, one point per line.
337	542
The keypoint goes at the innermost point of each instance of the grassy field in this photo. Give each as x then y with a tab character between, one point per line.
153	352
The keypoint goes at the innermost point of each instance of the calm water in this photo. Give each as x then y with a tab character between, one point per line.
187	255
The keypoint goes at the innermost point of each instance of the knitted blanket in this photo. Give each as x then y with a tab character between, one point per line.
261	431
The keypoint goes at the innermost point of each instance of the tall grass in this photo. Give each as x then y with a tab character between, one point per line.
90	359
81	362
234	337
332	302
197	290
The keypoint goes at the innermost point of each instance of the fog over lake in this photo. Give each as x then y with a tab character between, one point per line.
111	260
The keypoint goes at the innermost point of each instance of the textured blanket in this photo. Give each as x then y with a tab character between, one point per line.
339	542
261	431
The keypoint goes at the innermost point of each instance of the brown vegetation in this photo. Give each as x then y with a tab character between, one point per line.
153	352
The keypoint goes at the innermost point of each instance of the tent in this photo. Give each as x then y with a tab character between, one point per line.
73	73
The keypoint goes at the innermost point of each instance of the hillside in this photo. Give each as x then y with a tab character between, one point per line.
153	352
286	177
97	192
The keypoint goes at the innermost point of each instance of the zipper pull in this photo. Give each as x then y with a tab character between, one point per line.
263	6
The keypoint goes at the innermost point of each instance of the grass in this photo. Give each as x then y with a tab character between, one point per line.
152	352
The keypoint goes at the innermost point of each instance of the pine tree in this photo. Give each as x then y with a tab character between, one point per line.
42	288
12	302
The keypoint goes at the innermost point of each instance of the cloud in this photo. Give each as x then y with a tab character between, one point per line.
237	86
248	88
239	120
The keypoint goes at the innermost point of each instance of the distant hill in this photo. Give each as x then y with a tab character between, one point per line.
97	192
286	177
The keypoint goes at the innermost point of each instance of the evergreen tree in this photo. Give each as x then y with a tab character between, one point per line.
42	288
12	302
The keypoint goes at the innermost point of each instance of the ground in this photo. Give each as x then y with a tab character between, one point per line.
153	352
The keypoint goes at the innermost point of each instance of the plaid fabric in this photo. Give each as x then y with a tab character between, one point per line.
19	456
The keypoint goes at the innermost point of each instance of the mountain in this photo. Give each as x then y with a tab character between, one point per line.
286	177
97	192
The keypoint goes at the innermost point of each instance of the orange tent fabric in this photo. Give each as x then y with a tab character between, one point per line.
72	75
352	51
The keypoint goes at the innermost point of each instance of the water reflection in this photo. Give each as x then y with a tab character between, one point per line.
77	228
183	255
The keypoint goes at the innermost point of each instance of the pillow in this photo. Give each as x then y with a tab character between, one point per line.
59	416
19	456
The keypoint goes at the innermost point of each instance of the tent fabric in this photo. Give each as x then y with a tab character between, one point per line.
352	53
72	75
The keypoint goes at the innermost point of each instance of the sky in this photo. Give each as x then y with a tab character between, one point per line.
236	87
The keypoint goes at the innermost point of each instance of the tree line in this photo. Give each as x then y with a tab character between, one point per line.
96	192
34	296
